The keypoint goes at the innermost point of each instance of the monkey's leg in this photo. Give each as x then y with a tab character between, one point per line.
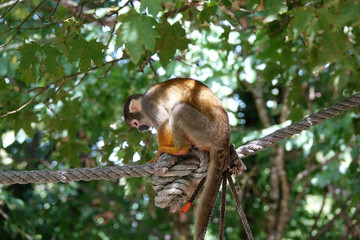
166	143
189	124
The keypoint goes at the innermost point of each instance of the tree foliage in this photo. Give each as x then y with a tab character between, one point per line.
66	68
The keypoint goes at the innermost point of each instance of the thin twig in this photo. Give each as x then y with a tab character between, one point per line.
306	172
18	27
298	199
54	82
153	69
182	9
4	5
25	105
319	214
328	226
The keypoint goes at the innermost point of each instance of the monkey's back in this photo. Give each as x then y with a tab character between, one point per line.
191	91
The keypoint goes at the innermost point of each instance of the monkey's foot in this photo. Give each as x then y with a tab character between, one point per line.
156	158
169	150
173	151
152	161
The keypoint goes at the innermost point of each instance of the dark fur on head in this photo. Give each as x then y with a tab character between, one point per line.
128	116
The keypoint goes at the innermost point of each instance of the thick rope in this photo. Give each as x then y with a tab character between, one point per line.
240	208
172	191
297	127
165	167
77	174
222	206
172	175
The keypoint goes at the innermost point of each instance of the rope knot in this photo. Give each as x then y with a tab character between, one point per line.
179	172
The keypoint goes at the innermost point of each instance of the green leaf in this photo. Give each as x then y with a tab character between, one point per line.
135	52
226	33
350	14
153	6
70	111
295	100
95	51
327	20
52	65
270	51
271	9
334	47
253	3
138	33
275	6
173	37
330	174
3	84
70	150
208	11
300	20
29	55
61	13
23	121
86	52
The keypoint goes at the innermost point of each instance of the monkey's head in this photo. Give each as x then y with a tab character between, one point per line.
133	114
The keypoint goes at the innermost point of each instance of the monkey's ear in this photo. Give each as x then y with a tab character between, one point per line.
134	106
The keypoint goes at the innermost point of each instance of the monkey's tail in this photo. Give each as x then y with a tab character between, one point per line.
208	197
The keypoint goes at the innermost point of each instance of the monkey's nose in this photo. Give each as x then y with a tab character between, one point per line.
143	128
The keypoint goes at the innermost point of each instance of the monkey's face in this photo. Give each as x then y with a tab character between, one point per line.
134	115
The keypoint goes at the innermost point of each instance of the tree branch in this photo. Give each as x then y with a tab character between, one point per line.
310	169
19	26
44	89
328	226
182	9
7	4
319	213
82	11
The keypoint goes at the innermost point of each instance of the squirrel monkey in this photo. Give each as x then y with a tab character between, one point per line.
186	112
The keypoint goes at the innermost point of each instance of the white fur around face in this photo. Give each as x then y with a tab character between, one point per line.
134	106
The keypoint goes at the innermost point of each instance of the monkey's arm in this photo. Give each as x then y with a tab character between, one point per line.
166	143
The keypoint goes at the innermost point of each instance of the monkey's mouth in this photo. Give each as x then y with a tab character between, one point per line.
143	128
